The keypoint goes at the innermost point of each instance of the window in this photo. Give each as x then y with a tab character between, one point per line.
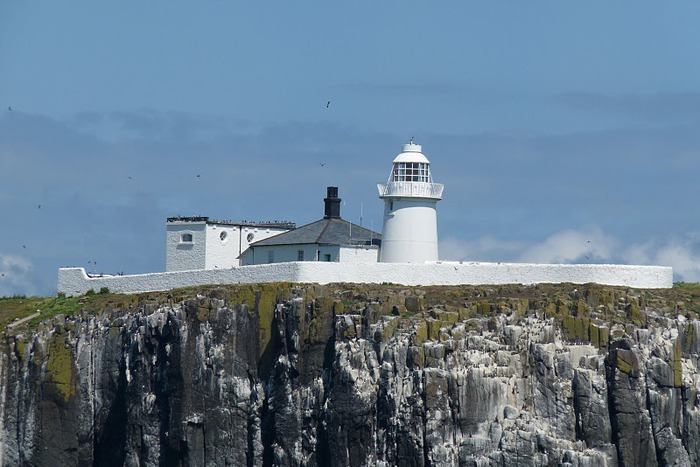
223	236
327	257
271	256
186	238
300	255
250	237
411	172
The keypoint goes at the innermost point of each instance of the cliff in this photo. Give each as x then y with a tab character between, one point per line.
350	375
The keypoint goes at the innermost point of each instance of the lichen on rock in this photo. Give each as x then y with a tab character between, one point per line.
347	374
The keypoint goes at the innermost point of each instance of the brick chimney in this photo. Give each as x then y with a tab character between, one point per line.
332	203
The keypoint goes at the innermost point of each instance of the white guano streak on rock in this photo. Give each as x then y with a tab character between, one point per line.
4	367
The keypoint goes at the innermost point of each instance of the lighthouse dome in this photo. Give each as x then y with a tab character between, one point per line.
412	153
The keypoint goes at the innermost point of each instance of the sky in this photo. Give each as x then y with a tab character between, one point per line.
565	132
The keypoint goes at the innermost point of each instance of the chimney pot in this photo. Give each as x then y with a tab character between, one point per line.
331	203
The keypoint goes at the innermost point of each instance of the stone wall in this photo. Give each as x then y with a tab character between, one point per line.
74	281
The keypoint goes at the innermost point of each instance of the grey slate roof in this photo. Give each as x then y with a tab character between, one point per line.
327	231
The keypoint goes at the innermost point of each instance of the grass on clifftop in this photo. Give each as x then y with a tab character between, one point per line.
687	295
15	308
18	307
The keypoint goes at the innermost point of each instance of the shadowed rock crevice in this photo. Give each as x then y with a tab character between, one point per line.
110	438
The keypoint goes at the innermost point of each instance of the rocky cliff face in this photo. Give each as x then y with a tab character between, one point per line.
347	375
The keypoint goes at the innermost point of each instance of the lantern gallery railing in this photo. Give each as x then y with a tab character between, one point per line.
417	189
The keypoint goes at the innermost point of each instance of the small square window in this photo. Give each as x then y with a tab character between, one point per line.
300	255
186	238
327	258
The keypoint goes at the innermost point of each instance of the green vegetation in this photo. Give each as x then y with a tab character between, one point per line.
61	368
687	285
18	307
60	306
585	313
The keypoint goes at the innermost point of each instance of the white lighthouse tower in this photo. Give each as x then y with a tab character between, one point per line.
410	217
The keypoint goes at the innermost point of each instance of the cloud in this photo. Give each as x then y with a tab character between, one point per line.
486	248
16	276
585	245
659	107
153	125
680	252
424	89
589	245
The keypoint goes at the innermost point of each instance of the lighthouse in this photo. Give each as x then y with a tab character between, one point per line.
410	216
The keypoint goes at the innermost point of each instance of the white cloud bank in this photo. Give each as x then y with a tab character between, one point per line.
15	276
683	254
585	245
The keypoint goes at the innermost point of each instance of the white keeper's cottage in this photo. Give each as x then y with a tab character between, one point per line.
200	243
331	239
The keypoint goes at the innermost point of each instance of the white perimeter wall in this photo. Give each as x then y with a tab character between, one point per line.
74	281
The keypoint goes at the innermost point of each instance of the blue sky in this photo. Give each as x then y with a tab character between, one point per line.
563	132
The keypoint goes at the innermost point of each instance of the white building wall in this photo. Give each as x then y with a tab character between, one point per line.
359	254
74	281
253	234
287	253
410	231
182	256
208	251
328	253
222	253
